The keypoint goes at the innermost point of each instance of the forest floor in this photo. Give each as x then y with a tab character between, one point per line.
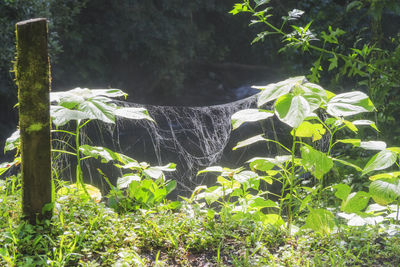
85	233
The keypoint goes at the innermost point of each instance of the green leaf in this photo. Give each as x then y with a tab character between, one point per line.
12	142
387	175
382	160
260	203
321	221
249	115
124	181
211	169
133	113
275	90
266	164
249	141
315	161
385	191
348	164
156	172
354	142
348	104
342	191
307	129
105	154
333	63
98	109
61	115
394	149
170	186
355	202
292	110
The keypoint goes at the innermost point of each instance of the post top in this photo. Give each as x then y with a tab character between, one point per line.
24	22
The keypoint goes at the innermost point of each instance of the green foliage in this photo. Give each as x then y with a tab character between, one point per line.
362	58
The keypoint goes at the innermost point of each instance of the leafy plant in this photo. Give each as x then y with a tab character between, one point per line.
297	103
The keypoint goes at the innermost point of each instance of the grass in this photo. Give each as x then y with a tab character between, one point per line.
85	233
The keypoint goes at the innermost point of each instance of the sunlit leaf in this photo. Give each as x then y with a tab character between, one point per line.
348	104
133	113
355	202
382	160
384	191
366	122
124	181
12	142
373	145
249	141
307	129
387	175
274	91
250	115
61	115
292	110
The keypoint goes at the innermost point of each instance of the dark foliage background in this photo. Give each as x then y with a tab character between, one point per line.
159	50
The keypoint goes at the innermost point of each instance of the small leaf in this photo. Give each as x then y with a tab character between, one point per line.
211	169
348	164
61	115
354	142
249	141
12	142
307	129
366	122
380	161
124	181
342	191
249	115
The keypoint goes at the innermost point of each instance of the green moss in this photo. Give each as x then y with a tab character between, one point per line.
35	127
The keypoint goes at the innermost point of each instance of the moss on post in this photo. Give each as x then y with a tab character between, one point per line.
32	70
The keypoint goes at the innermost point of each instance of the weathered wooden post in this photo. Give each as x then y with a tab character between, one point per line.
32	70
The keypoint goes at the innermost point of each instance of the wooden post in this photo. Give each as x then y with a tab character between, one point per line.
32	71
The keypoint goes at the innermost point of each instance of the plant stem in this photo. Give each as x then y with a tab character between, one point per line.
291	181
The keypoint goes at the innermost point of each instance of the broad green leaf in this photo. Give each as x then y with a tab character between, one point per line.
249	141
315	95
124	181
355	202
348	104
113	93
273	219
315	161
12	142
61	115
382	160
388	175
321	221
342	191
307	129
274	91
133	113
212	194
228	183
170	186
249	115
292	110
384	191
366	122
